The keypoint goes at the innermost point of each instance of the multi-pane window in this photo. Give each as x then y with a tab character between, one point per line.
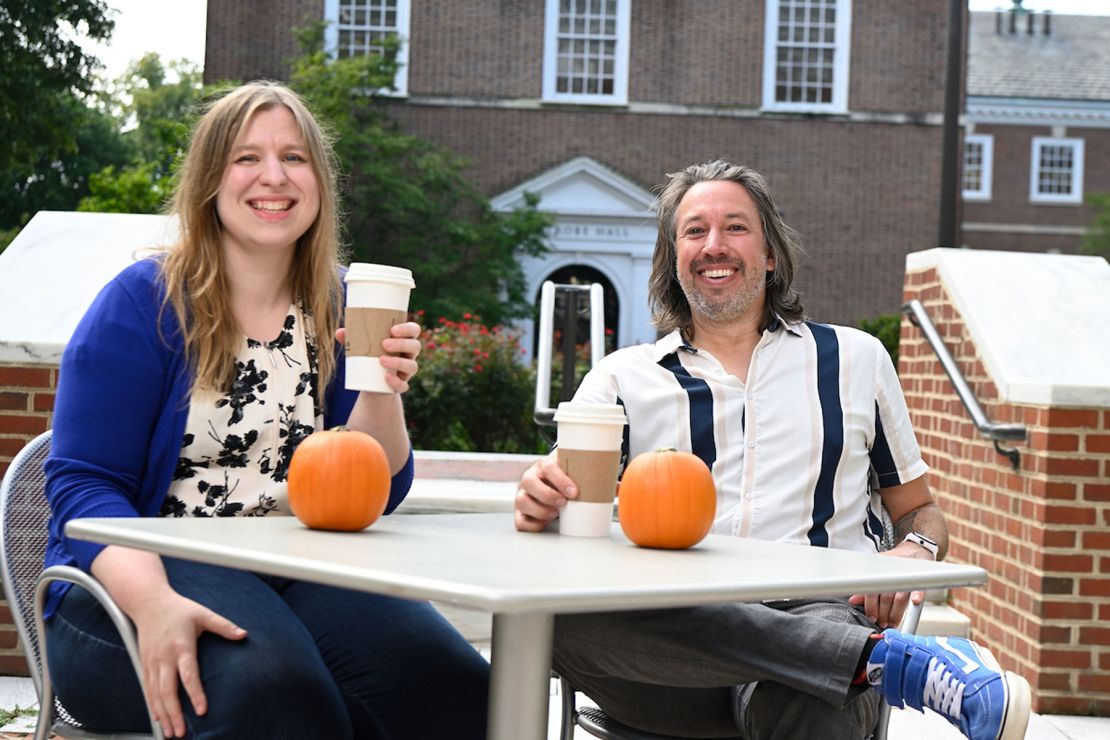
360	27
586	51
977	165
806	55
1056	171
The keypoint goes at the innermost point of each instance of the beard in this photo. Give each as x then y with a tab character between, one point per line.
724	307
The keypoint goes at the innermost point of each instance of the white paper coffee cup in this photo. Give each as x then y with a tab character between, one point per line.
589	450
377	298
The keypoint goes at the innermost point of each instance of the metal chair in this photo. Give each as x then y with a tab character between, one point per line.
23	534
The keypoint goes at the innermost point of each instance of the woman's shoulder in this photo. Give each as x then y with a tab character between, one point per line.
141	280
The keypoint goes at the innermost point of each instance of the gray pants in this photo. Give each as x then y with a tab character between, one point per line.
778	670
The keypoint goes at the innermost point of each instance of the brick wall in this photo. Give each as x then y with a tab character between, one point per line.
26	406
1010	204
1042	532
688	52
856	237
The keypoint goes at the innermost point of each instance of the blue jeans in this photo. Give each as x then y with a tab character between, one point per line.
318	661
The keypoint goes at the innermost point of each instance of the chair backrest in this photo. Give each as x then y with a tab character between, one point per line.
23	519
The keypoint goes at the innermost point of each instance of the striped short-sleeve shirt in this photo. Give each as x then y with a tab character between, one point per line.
792	446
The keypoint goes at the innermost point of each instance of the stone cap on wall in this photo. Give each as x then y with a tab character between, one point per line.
53	269
1040	322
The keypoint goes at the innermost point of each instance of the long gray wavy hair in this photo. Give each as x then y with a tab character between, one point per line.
669	308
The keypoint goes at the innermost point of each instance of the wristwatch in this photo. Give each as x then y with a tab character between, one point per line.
919	539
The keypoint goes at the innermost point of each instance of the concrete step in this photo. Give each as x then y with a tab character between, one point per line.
941	619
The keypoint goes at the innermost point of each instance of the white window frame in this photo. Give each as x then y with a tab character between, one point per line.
331	42
986	141
619	96
1076	194
841	54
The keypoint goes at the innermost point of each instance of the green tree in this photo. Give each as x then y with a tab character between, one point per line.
158	114
407	201
1097	238
56	179
42	67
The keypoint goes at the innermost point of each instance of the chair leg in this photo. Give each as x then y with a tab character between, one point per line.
570	711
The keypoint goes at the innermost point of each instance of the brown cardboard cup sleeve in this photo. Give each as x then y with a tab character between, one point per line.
367	327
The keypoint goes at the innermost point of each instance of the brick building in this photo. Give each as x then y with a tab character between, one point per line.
1037	137
838	102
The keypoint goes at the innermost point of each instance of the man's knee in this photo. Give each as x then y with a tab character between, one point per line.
770	711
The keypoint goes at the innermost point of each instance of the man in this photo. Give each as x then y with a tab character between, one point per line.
794	418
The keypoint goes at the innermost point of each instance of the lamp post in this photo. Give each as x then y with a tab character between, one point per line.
950	154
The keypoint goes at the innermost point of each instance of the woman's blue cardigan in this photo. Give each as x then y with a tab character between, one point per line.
120	413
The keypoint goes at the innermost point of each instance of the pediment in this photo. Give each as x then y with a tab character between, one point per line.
581	187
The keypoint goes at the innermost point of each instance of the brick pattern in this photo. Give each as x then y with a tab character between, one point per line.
687	52
1041	531
863	195
26	406
856	243
1010	204
26	410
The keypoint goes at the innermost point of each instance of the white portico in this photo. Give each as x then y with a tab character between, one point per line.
604	230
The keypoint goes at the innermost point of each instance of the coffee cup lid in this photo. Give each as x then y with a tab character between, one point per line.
590	413
360	271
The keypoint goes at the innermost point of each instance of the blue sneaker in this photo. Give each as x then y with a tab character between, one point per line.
955	678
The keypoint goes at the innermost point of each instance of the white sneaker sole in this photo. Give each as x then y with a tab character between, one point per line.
1019	698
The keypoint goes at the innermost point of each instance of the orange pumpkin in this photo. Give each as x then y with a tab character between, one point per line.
339	479
667	499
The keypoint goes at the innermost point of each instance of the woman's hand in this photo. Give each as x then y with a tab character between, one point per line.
403	346
399	352
168	626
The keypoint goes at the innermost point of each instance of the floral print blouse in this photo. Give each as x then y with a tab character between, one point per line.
237	446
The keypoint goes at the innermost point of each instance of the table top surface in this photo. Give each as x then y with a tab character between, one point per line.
480	561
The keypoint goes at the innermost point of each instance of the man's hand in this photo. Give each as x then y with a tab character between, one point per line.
543	492
886	610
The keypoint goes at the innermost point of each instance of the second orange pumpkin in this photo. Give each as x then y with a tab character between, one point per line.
667	499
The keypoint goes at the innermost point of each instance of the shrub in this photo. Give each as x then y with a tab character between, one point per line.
472	393
888	329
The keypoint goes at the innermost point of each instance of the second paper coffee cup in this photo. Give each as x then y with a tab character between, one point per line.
589	450
377	298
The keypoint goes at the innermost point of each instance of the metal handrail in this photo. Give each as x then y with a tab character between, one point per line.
543	412
995	432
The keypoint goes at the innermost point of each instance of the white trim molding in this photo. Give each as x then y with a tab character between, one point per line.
1036	229
1038	112
1065	159
813	45
600	50
402	10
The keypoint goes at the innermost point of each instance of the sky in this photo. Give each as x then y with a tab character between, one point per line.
172	28
175	28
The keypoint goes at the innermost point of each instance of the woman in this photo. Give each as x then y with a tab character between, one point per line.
183	392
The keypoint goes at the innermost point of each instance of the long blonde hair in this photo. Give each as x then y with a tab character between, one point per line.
193	271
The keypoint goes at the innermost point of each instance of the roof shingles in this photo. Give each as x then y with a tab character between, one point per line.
1071	63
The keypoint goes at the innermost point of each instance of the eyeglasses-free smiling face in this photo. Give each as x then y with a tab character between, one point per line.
269	195
721	256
